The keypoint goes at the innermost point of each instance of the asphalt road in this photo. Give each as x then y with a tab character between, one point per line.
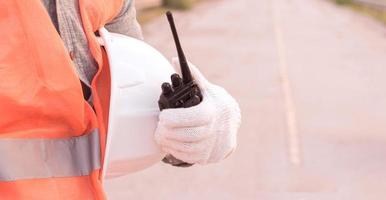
311	81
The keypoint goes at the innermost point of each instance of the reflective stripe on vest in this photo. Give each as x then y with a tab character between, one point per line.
45	158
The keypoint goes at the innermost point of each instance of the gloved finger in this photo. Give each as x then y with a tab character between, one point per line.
190	134
197	75
199	115
189	147
186	157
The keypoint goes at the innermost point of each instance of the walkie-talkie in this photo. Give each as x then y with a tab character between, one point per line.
182	93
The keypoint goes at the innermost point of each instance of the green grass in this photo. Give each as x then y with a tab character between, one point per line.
148	14
376	13
179	4
343	2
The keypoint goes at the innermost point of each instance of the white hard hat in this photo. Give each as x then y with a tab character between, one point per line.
137	73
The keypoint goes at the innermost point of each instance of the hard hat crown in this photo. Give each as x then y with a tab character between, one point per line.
137	73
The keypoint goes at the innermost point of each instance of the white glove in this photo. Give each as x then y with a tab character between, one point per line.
205	133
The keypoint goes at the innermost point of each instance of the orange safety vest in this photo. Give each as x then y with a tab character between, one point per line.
52	141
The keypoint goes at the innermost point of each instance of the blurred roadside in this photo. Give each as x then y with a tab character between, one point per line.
310	80
374	8
150	9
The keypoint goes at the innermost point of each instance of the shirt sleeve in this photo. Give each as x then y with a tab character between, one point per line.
126	22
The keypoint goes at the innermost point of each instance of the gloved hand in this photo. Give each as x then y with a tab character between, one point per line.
205	133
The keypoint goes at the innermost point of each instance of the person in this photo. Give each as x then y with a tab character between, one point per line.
54	101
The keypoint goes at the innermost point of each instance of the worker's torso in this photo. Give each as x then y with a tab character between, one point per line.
51	139
66	18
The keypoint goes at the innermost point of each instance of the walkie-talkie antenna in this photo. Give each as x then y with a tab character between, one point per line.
186	75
